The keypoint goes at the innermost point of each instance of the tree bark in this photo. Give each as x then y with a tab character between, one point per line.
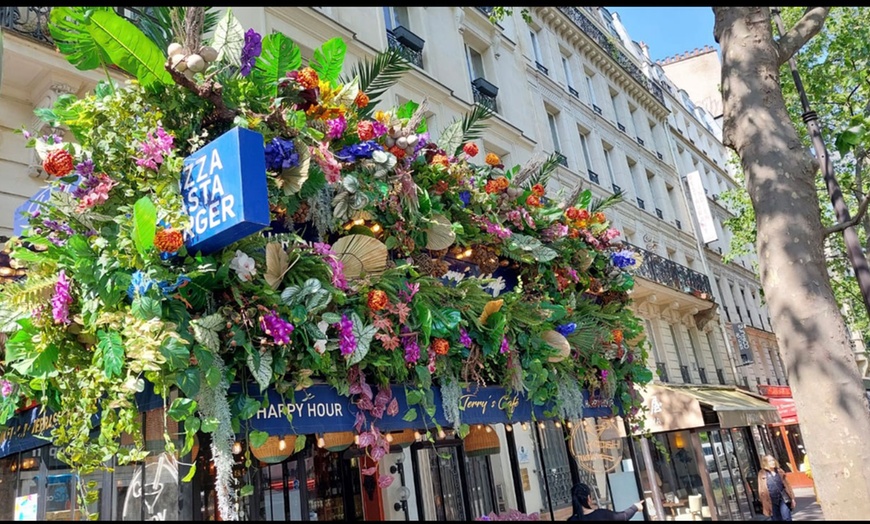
810	330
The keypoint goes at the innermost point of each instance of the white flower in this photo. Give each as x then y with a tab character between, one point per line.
496	285
244	266
320	345
454	275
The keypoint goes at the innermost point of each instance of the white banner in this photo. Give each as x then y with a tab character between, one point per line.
702	207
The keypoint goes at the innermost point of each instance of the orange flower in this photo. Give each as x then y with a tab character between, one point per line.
572	213
440	346
308	78
440	159
584	215
582	224
598	217
58	162
441	187
491	187
168	240
503	183
617	336
470	149
573	233
538	190
492	159
533	201
361	100
377	300
398	152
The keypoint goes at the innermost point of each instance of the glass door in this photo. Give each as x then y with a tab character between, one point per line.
439	480
481	491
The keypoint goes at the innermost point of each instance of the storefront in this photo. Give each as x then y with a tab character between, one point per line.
702	460
785	442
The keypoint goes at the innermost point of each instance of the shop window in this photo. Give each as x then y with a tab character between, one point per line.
439	483
556	482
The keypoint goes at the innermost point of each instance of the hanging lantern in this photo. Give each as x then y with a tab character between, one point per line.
338	441
276	449
481	440
403	438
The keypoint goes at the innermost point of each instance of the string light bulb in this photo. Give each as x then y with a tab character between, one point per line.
558	424
417	435
389	437
321	442
282	444
441	434
356	440
541	424
525	426
237	447
569	424
508	427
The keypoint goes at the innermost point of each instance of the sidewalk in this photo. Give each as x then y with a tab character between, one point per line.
806	508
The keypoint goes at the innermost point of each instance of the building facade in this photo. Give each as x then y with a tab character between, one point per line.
571	82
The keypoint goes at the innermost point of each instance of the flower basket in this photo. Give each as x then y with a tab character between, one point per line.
337	441
481	440
276	449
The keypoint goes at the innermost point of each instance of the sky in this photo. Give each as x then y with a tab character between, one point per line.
668	30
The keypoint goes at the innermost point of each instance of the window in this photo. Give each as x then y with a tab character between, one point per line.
609	163
554	132
475	63
566	66
584	145
614	104
396	16
536	47
591	87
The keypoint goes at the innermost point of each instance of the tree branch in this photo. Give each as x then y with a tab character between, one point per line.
807	27
862	209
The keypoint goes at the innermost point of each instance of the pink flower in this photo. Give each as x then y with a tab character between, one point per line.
62	299
154	147
98	194
336	127
327	162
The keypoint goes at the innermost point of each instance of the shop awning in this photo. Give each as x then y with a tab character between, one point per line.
676	407
786	409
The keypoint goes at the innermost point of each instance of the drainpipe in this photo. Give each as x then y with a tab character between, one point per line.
701	248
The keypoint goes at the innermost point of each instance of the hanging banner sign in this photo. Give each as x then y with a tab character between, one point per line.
321	408
702	207
224	190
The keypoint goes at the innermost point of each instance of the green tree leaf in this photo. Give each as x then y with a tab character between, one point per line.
257	438
206	329
175	351
410	415
189	381
328	59
260	365
144	224
129	48
69	30
111	349
229	39
181	408
146	308
280	55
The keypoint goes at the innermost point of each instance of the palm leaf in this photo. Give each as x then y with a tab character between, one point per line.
543	173
69	29
328	59
156	23
129	48
600	204
280	54
378	74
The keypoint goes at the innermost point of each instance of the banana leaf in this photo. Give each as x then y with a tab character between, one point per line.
129	48
69	27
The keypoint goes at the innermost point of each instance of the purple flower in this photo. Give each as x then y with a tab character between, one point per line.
252	49
281	154
346	339
566	329
6	388
336	127
379	129
412	349
505	347
603	375
85	168
62	299
464	339
277	327
357	151
465	197
623	259
154	147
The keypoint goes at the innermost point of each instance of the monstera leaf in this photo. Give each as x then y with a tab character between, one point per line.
328	59
280	55
129	48
69	29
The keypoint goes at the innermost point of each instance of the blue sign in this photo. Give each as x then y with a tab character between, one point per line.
224	190
321	408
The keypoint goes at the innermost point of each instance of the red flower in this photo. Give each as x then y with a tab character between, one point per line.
365	130
440	159
58	162
168	240
538	190
361	100
308	78
470	149
572	213
618	336
398	152
533	201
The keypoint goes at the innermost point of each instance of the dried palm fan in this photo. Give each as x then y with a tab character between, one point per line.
557	341
361	254
291	180
439	234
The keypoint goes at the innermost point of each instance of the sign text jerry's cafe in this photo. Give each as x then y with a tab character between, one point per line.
224	191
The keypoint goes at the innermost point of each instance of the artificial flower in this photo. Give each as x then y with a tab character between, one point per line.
155	146
275	326
281	154
470	149
250	51
492	159
244	266
62	299
168	240
440	346
58	162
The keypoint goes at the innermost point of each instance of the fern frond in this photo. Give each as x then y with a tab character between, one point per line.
543	173
156	23
600	204
28	294
473	124
378	74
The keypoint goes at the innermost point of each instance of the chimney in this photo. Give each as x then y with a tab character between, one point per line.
644	49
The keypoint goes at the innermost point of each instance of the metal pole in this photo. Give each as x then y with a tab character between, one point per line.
651	477
850	237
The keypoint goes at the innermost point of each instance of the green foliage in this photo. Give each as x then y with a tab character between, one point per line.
328	59
229	38
378	74
279	56
69	30
128	48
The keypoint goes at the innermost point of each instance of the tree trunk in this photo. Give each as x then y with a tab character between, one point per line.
810	330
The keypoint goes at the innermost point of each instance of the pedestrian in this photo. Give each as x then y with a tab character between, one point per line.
585	508
774	491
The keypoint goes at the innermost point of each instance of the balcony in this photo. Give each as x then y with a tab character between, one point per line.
640	203
684	373
702	374
616	188
604	41
720	374
662	371
673	275
678	224
639	140
596	109
660	214
593	176
660	156
621	127
485	93
542	68
409	45
573	92
562	159
487	11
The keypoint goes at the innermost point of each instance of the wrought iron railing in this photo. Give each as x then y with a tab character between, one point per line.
702	374
662	370
684	372
604	41
720	374
485	10
640	203
593	176
484	99
32	22
562	159
674	275
411	55
573	92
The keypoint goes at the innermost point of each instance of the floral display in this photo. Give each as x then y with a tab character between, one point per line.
391	258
